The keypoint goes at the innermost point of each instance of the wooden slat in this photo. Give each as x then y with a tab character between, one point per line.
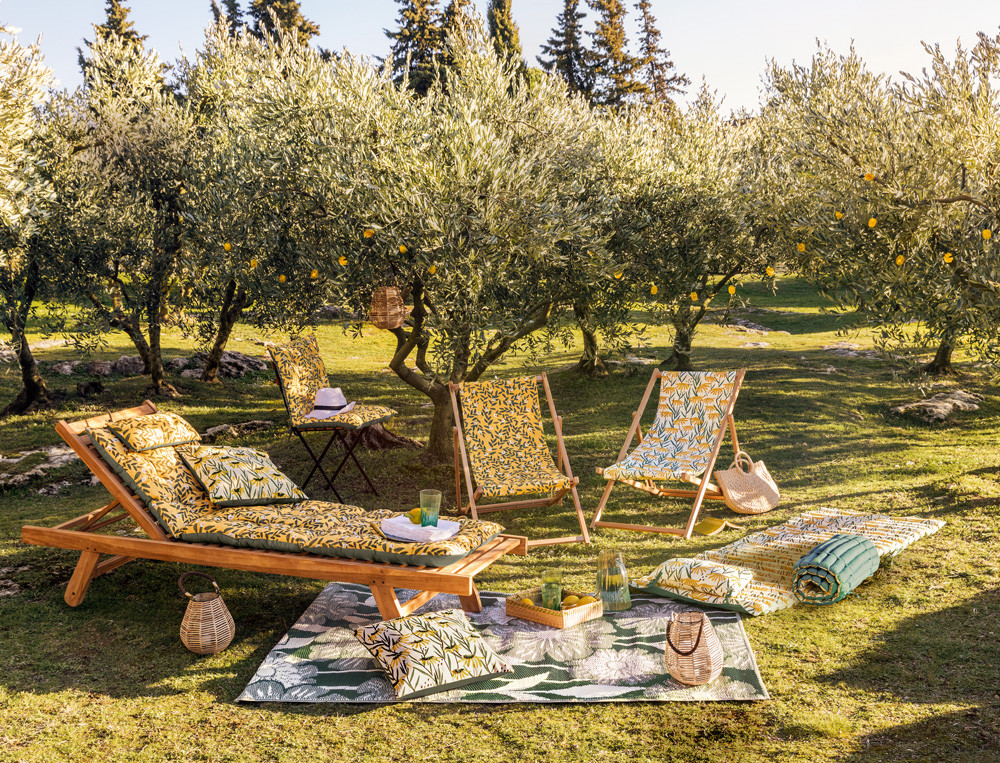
554	541
455	578
644	528
418	601
111	563
87	519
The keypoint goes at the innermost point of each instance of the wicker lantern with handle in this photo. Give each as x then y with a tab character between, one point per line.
207	627
387	308
693	653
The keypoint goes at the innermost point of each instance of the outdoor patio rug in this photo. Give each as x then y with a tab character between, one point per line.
618	658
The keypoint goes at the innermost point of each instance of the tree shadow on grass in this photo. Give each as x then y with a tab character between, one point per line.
968	736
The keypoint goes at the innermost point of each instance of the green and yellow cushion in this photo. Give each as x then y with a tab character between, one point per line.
301	372
239	476
423	654
689	416
694	576
505	440
182	507
154	430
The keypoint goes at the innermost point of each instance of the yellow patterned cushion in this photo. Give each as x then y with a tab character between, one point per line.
181	506
689	417
505	441
240	476
698	575
301	371
154	430
423	654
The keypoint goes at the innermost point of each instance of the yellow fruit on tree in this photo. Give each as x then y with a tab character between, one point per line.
342	261
281	278
618	274
869	177
948	257
227	246
653	290
732	289
694	296
314	275
369	233
432	269
872	222
253	263
801	247
899	259
838	215
987	234
402	248
769	271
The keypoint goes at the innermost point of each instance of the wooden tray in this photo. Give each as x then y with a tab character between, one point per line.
555	619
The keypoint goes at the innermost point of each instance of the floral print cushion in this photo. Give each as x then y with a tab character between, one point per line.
505	441
240	476
182	507
689	416
301	372
154	430
423	654
700	576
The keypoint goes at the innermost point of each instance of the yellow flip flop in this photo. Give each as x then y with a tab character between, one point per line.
714	525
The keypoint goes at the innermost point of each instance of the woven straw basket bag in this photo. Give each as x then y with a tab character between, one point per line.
693	653
388	311
207	627
747	487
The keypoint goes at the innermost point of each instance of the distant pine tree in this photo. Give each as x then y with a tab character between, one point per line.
566	54
289	15
116	22
418	40
455	14
231	12
659	71
504	33
616	71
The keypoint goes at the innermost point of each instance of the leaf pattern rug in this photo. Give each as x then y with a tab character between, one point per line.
618	658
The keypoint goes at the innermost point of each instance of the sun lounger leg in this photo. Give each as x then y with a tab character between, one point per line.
472	603
385	598
78	584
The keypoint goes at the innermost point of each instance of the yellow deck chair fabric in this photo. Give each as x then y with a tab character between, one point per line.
688	417
505	440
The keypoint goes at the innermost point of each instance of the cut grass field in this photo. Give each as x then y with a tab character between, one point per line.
906	669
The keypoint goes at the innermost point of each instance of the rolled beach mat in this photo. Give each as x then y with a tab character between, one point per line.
834	568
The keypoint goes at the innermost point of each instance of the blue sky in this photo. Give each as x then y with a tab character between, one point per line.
725	41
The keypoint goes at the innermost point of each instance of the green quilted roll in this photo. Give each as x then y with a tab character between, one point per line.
834	568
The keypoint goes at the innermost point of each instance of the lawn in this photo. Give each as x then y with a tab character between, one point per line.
906	669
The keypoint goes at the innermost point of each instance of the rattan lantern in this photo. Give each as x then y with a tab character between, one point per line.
387	308
207	627
693	653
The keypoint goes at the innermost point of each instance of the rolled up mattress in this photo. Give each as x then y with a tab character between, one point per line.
834	568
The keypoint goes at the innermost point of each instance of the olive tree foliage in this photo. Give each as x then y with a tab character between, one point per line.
24	197
124	147
891	196
688	226
481	201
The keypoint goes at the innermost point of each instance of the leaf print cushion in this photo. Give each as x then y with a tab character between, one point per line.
423	654
722	580
154	430
240	476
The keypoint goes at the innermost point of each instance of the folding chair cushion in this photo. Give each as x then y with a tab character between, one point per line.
505	441
688	417
171	493
156	430
302	373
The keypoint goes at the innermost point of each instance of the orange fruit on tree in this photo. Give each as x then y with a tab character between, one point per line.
342	261
869	177
900	260
432	269
769	271
872	222
653	290
948	257
838	215
694	296
227	246
314	275
281	278
253	263
732	289
402	248
618	274
369	233
987	234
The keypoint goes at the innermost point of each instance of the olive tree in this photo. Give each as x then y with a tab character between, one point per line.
891	196
24	196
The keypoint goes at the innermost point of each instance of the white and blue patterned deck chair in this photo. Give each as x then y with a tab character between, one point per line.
682	444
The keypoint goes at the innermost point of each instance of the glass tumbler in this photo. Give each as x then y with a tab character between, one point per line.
552	589
430	507
612	582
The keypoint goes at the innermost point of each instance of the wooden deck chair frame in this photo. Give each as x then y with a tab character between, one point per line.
338	435
706	489
80	534
462	465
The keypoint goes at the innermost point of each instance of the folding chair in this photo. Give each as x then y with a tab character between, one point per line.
683	442
500	440
300	372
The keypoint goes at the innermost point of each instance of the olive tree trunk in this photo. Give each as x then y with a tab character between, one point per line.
233	302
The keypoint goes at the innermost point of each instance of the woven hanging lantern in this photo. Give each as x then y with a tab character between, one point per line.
693	654
387	308
207	627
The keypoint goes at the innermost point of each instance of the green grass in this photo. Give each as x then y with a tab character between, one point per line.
906	669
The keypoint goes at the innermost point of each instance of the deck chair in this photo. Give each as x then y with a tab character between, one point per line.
682	444
500	441
89	534
300	372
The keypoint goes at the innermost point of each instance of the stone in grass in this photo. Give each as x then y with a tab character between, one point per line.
100	367
66	367
129	365
939	407
235	430
755	345
192	373
176	364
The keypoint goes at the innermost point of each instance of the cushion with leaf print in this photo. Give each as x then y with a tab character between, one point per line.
239	476
423	654
154	430
683	574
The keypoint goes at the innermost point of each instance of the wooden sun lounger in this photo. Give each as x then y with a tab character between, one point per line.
81	534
